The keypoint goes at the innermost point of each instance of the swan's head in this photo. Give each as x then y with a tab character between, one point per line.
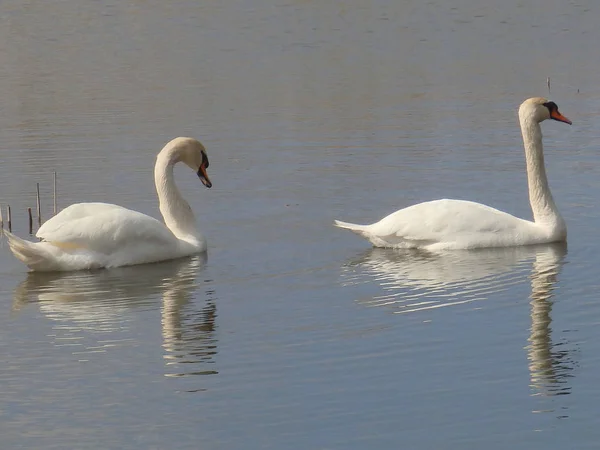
191	152
540	109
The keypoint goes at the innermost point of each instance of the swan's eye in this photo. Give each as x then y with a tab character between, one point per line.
551	106
205	160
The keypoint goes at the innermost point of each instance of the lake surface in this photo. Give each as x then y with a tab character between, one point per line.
290	333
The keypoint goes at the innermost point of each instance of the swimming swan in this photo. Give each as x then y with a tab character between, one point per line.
458	224
96	235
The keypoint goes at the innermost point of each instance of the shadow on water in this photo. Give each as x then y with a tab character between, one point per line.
103	303
415	281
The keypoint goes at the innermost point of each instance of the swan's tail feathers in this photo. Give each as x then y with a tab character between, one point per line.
358	229
29	253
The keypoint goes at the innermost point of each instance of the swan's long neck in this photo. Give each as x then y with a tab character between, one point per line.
542	204
176	212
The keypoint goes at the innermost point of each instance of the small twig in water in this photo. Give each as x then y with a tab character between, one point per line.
55	192
39	205
30	221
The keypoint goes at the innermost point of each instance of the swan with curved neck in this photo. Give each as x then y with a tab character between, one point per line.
97	235
458	224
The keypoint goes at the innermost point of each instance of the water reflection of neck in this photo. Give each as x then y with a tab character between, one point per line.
188	334
546	365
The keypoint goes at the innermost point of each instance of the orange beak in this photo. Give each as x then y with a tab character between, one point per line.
204	176
558	116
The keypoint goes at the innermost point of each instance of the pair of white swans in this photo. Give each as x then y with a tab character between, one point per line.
96	235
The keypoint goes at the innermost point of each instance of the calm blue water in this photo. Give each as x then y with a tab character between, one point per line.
291	333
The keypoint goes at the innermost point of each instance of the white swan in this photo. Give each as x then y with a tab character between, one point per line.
96	235
458	224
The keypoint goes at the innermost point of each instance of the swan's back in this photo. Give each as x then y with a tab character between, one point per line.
108	229
73	212
449	224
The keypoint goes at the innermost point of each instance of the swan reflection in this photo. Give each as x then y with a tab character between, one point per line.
188	333
417	281
550	364
97	306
